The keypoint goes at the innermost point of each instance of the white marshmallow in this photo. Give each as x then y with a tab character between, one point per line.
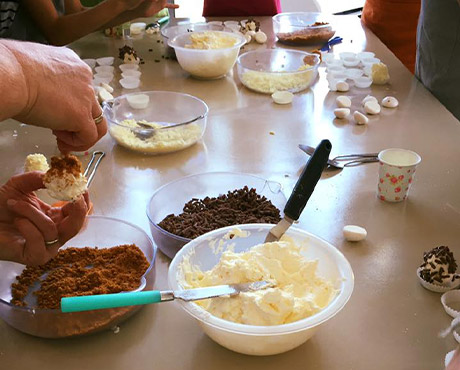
353	233
103	95
282	97
341	112
360	118
343	101
342	86
390	102
372	107
369	98
260	37
138	101
107	87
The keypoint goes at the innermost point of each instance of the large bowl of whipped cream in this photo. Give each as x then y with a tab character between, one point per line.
313	282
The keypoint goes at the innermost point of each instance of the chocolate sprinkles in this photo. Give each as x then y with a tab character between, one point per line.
240	206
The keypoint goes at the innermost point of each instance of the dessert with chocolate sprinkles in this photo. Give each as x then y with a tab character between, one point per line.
439	266
240	206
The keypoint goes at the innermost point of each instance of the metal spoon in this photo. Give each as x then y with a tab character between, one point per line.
148	131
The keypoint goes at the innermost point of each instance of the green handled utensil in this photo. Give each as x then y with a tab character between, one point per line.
97	302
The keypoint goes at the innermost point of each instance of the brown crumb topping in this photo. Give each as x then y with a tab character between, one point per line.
63	164
82	271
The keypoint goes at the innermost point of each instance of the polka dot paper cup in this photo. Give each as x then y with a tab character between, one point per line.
396	173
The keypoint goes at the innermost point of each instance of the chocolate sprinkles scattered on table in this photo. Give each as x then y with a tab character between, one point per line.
240	206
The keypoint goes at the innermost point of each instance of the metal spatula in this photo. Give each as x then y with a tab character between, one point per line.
97	302
302	190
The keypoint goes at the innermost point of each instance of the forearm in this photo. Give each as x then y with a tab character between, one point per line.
62	30
13	85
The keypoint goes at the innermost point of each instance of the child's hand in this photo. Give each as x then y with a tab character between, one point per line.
148	8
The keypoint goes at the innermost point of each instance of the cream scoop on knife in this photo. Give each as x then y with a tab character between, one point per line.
302	190
100	301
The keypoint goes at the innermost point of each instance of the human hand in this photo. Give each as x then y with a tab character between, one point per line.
148	8
59	95
26	222
454	363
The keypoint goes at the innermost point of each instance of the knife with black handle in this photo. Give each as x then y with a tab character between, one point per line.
302	190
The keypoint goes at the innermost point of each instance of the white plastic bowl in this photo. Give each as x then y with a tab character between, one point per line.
128	67
90	62
105	77
363	82
131	73
263	340
106	61
207	63
130	82
105	69
137	28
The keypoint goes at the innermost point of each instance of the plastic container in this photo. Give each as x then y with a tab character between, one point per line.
207	63
131	73
363	82
168	33
303	28
130	82
172	197
105	69
103	232
264	340
106	61
90	62
129	67
270	70
105	77
165	108
137	28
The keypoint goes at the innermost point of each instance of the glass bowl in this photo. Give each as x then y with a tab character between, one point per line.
168	33
270	70
172	197
207	64
254	339
165	108
103	232
303	28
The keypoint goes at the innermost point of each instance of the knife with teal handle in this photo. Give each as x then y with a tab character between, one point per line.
101	301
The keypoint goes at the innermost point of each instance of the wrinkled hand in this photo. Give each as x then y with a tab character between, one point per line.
26	222
59	94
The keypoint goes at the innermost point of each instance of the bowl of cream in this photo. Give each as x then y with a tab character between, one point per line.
207	54
313	282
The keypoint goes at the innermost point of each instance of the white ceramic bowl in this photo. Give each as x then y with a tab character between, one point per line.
207	63
263	340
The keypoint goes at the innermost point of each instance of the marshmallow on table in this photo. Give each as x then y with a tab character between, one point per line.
353	233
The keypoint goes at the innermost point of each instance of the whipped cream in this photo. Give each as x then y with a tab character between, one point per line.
299	291
211	40
36	162
64	180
